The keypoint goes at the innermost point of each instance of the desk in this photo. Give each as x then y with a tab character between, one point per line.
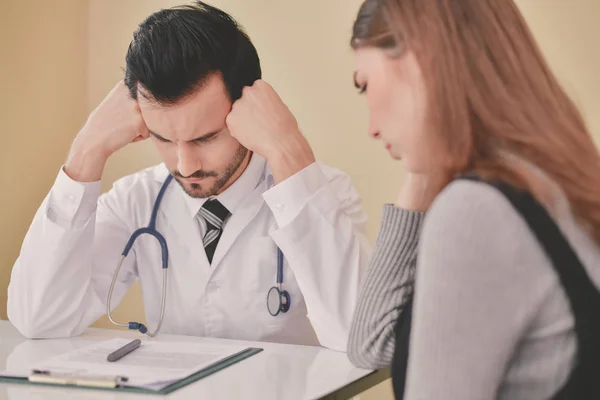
279	372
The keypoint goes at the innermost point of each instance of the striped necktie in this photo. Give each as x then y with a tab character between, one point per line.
214	213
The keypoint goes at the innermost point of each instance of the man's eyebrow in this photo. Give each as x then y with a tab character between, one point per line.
199	139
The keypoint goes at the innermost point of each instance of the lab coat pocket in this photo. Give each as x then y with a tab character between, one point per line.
261	264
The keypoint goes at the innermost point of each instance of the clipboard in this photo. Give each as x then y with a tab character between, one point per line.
118	383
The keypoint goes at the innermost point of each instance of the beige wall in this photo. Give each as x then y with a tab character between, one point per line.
56	67
43	66
568	32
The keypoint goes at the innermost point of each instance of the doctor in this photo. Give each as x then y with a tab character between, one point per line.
245	184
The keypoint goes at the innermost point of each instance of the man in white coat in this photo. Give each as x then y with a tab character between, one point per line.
245	184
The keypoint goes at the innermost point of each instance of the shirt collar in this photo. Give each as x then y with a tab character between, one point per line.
235	194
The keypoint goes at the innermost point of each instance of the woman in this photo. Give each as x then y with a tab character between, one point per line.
454	88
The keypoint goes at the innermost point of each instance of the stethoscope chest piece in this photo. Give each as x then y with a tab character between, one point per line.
278	300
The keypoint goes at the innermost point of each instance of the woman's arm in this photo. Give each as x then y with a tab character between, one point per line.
385	289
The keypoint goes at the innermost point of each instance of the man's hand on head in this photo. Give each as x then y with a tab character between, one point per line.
115	123
262	122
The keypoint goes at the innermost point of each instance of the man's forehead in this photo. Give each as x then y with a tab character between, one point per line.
188	119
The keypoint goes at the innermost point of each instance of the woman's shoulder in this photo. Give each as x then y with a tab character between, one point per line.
482	208
476	226
473	230
466	203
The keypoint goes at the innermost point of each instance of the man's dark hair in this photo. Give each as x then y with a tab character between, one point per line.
174	50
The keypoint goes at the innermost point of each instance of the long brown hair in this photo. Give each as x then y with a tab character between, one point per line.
492	96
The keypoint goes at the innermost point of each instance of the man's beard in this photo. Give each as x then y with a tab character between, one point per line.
197	190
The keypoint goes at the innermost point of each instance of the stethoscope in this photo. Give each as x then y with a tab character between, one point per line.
278	299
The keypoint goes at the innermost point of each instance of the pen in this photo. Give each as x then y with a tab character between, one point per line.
66	378
123	351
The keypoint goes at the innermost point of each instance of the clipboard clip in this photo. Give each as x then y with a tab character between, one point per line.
76	379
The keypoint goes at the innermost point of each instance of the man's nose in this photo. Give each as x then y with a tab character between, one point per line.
188	161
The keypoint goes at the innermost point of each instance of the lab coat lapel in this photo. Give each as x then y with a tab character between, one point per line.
238	222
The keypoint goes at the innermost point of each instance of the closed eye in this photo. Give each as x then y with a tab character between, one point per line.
206	138
159	138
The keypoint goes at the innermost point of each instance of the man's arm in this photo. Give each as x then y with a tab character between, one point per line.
320	221
59	280
321	231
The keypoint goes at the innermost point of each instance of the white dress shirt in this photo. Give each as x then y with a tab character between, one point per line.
233	196
60	281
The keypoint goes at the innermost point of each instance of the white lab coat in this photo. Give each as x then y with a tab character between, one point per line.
60	281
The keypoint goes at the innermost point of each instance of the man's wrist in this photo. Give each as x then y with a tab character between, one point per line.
290	157
85	164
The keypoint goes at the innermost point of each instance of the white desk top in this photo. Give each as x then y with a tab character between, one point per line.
278	372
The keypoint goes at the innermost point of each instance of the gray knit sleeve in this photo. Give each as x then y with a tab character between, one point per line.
385	289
